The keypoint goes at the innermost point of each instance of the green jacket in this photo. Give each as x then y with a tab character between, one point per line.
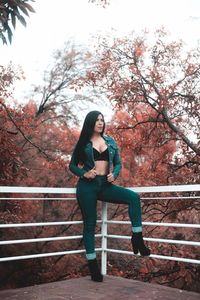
89	163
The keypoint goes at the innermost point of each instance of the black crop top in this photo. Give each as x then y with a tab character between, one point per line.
101	155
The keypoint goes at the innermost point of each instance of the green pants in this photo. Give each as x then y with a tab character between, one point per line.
89	191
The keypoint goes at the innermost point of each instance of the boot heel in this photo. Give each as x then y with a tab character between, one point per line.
138	244
135	250
94	270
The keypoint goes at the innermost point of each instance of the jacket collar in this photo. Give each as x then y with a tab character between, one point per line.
105	137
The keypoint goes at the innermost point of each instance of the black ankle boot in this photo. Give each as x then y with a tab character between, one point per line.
138	244
94	270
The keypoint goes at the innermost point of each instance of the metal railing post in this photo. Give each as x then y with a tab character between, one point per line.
104	239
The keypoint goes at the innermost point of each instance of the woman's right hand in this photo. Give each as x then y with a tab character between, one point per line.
91	174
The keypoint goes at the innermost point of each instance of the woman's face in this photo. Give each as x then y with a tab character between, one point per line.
98	128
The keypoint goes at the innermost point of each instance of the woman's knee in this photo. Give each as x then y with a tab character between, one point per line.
137	195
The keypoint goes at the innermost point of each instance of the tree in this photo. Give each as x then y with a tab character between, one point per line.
145	157
56	92
160	78
10	11
9	158
35	151
24	137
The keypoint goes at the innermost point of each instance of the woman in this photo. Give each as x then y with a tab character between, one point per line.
101	164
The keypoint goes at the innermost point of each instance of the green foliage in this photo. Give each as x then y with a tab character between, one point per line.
10	11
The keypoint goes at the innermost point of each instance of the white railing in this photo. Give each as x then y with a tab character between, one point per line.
104	222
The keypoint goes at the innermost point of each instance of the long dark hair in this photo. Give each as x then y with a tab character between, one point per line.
86	134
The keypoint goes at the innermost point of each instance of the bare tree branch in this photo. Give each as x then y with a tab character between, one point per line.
22	133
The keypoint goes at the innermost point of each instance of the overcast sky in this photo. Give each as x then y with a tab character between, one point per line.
58	21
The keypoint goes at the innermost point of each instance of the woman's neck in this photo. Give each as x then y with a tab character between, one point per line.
95	136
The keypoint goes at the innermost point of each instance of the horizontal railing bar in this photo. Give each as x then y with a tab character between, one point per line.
98	221
167	188
194	261
37	198
146	189
156	224
39	224
172	224
170	198
168	241
36	240
42	224
36	190
192	243
74	198
3	259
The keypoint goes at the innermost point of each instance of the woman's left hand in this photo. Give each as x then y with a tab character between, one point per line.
110	177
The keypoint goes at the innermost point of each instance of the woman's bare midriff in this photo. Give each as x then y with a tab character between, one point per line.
101	167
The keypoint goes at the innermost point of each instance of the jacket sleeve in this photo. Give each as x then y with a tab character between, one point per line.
116	163
74	168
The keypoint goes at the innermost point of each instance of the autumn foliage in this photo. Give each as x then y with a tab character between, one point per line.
158	85
154	93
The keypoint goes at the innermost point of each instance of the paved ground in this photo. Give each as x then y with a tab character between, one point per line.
113	288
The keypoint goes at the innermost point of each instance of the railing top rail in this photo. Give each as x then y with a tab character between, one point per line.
167	188
36	190
145	189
